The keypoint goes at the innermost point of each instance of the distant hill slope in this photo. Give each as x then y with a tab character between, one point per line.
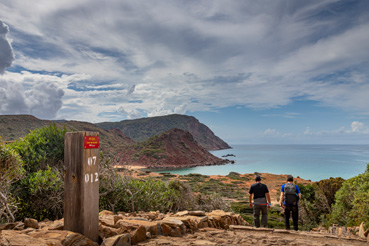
172	149
13	127
141	129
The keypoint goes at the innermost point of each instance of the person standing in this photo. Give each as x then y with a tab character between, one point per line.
289	201
262	203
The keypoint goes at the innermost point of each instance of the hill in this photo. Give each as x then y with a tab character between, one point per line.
13	127
172	149
142	129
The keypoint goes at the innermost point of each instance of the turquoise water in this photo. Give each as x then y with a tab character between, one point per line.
314	162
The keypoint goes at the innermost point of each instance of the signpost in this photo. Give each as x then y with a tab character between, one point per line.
81	183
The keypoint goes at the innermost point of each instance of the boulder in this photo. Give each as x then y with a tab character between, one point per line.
32	223
196	213
44	238
177	227
138	235
118	240
107	220
151	227
182	213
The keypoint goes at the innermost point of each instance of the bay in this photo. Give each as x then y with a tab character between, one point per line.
314	162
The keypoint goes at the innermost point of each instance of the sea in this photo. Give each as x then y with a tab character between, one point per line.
311	162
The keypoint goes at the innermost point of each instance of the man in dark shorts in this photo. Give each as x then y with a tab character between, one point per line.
262	203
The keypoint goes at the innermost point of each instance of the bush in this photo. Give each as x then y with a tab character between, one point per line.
352	201
41	195
42	148
11	170
316	202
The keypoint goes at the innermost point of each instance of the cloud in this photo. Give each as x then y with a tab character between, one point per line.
131	114
6	51
30	94
274	133
359	127
186	56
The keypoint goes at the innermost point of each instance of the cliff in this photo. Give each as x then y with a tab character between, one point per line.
172	149
142	129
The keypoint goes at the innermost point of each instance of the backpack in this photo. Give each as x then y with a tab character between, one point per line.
290	194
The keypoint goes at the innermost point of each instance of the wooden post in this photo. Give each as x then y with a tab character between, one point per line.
81	183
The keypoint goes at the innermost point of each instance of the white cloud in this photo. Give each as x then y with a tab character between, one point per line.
131	114
6	51
274	133
42	100
359	127
308	131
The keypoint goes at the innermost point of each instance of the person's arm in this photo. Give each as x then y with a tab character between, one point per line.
281	198
268	200
250	200
298	191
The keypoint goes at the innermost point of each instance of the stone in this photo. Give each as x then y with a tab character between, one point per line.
172	221
52	225
107	219
182	213
118	240
10	237
7	226
366	233
107	231
105	212
196	213
32	223
166	229
138	235
117	218
151	227
361	230
45	238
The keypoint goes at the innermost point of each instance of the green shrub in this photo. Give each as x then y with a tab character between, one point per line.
352	201
42	148
41	195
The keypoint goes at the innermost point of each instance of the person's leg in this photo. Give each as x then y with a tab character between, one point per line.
257	215
287	212
295	217
264	216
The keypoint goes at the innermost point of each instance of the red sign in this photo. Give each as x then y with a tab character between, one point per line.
92	142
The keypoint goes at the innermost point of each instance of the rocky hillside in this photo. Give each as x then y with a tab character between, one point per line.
142	129
171	149
13	127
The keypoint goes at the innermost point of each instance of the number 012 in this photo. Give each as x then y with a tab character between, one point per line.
88	179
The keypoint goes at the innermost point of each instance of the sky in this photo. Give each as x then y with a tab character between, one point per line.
255	72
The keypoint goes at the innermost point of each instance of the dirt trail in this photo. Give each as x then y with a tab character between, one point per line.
244	236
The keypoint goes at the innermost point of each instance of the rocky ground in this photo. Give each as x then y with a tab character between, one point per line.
245	235
183	228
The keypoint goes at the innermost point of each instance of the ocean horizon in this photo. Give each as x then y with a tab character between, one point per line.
308	161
